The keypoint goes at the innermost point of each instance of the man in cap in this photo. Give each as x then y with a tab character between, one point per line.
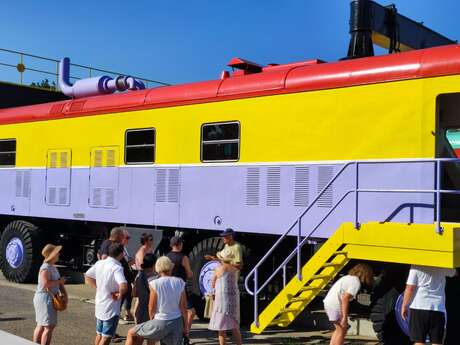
232	247
182	270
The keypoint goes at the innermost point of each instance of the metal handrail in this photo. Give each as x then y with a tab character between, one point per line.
356	191
55	72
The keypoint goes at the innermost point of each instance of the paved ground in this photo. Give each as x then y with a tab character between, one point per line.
76	325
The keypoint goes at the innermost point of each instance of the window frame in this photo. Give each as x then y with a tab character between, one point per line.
224	141
126	146
9	152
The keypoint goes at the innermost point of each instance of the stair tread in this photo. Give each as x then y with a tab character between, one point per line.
320	276
309	288
332	264
298	299
340	252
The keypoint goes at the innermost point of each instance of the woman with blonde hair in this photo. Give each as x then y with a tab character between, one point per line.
49	283
337	300
167	309
226	309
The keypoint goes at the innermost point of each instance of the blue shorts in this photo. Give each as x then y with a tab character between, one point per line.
108	327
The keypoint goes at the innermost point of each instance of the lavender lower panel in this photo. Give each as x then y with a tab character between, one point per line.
259	199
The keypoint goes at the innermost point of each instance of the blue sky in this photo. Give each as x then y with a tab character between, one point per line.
183	41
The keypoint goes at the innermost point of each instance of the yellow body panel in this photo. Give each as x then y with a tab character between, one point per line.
416	244
379	121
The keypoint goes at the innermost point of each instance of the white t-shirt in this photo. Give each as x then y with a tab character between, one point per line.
169	291
347	284
431	284
109	275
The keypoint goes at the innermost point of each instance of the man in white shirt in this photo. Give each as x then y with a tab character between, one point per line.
425	296
107	277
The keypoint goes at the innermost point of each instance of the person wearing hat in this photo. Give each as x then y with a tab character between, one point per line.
49	282
225	314
183	271
231	246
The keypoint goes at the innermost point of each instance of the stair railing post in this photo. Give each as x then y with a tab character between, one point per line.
439	229
256	291
284	276
299	258
357	225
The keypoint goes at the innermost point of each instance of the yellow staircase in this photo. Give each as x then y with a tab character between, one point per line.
417	244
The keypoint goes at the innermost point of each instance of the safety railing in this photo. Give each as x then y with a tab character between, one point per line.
46	70
254	274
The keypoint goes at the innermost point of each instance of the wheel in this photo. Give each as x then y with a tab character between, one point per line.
383	317
203	271
20	257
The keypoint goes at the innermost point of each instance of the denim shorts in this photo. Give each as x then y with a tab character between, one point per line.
108	327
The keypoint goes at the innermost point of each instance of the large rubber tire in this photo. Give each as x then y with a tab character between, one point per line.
28	261
210	246
384	319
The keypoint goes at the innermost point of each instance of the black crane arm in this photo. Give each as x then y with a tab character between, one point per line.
372	23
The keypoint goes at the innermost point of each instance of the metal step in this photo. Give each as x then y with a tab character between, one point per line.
308	288
332	264
320	276
288	310
298	299
340	252
278	322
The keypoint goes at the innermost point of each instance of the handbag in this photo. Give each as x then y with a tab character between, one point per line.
59	304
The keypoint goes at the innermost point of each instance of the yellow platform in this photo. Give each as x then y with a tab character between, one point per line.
417	244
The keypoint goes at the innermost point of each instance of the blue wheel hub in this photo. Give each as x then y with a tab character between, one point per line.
205	278
14	252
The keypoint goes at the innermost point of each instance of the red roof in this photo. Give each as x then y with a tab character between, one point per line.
274	79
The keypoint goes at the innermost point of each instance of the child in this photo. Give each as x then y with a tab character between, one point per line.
337	300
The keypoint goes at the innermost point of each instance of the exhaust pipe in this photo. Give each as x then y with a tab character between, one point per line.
94	86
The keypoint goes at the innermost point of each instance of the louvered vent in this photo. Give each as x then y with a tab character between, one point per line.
77	106
23	184
173	185
18	184
325	175
111	158
53	160
161	185
273	186
62	196
26	184
98	158
252	186
52	195
64	160
97	197
301	186
109	197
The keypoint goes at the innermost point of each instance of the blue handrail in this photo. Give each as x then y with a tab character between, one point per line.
300	242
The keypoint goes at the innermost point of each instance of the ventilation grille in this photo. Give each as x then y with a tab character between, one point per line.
325	175
301	186
168	185
111	158
109	197
57	196
96	197
173	185
57	109
252	186
23	184
64	160
273	186
53	160
98	158
77	106
161	185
